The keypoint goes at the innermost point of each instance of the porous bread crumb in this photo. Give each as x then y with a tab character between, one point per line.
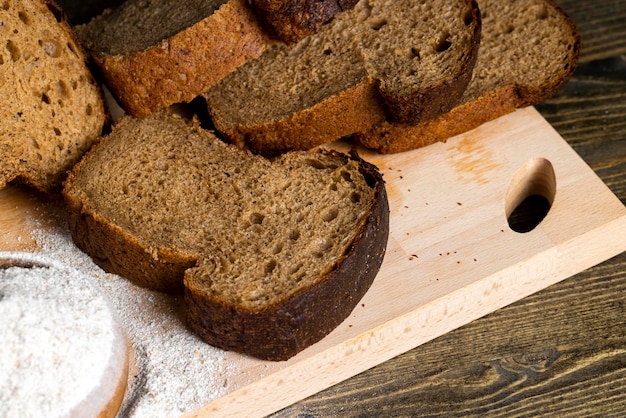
52	109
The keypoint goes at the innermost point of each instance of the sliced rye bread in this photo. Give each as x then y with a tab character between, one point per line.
529	49
264	246
292	20
52	108
409	60
155	53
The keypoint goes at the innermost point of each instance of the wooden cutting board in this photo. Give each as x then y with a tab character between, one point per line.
451	257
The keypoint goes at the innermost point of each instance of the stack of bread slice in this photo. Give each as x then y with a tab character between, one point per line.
529	49
262	246
155	53
392	75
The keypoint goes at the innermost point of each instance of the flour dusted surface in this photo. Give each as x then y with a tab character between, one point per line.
175	371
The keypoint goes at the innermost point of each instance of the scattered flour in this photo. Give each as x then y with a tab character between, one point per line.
175	372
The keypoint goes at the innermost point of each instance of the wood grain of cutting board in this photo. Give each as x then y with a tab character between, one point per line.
451	257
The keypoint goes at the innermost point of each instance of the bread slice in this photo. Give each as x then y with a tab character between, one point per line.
529	49
265	246
411	60
293	20
153	53
52	109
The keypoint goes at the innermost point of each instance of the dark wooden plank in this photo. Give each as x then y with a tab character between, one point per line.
601	24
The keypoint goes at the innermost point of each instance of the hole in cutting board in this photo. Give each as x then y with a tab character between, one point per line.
530	195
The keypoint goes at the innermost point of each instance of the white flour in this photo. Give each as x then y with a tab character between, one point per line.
60	346
175	372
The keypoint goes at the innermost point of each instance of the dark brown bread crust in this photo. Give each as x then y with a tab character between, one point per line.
119	252
186	64
292	20
283	330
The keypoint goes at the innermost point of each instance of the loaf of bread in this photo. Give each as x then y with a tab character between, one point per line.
293	20
272	254
529	49
383	58
52	109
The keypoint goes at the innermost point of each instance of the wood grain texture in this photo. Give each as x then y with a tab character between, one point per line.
601	24
560	352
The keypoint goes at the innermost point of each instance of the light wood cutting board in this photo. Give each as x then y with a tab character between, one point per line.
451	257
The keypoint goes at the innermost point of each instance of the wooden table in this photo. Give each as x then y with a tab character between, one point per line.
559	352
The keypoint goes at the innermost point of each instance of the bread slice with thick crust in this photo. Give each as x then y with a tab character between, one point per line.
529	49
154	53
262	247
406	60
157	53
52	108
